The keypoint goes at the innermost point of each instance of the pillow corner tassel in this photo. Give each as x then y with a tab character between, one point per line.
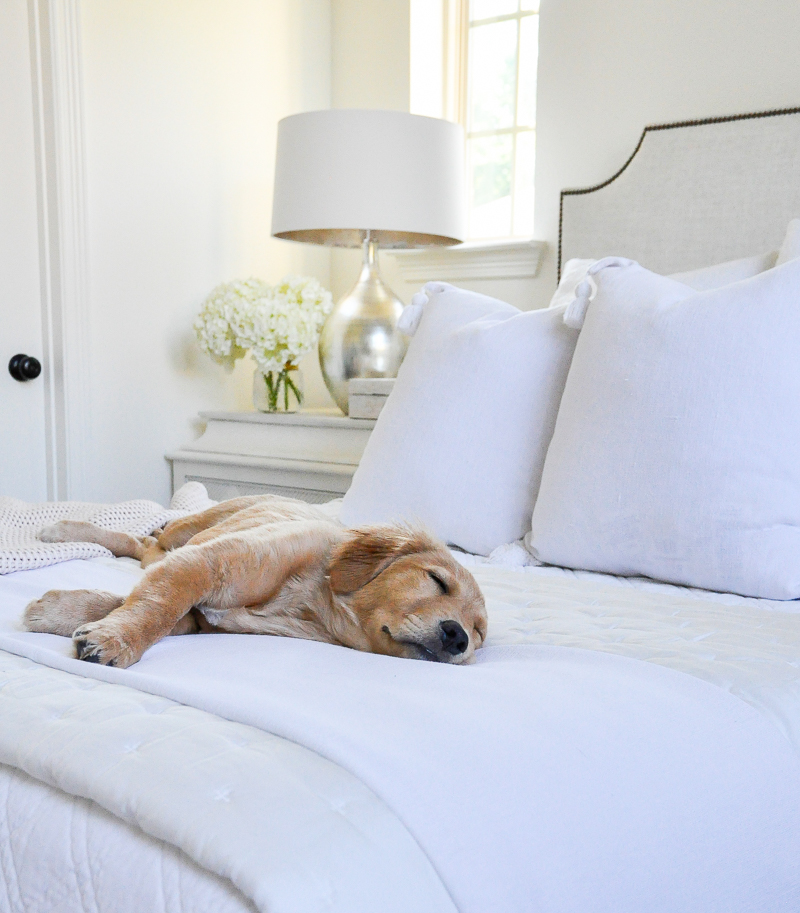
576	309
575	314
412	314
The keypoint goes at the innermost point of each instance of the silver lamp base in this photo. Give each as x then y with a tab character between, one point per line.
360	337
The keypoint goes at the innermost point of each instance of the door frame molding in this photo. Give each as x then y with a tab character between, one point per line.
55	43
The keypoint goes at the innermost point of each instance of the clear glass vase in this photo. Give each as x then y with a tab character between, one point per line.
278	391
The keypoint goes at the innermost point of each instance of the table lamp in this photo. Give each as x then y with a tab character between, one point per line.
360	178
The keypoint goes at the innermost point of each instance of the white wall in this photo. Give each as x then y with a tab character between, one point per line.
370	54
182	99
606	70
426	63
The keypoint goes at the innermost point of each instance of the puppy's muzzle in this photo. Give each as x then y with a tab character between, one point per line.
454	638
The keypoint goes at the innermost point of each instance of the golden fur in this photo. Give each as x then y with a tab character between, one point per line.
272	565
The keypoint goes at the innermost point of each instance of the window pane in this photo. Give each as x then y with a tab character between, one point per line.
523	184
530	5
490	186
492	75
487	9
528	53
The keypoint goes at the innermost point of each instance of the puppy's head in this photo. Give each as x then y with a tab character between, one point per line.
412	598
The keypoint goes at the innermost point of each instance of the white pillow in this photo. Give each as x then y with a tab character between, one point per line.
676	453
460	444
707	277
720	274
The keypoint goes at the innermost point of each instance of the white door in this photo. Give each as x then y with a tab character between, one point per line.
23	463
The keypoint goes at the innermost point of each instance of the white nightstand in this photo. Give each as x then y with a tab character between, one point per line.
308	455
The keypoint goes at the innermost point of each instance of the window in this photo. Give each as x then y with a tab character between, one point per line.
475	61
500	116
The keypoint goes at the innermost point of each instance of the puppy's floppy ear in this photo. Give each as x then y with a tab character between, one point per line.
371	550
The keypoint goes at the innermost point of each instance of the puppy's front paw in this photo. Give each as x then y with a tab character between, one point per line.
102	642
68	531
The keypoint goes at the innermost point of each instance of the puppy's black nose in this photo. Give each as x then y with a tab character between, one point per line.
454	637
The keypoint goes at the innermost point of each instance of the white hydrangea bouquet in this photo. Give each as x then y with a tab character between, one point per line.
277	324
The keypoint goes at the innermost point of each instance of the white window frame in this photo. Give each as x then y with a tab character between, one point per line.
464	88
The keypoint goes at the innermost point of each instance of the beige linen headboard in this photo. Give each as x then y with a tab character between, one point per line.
692	194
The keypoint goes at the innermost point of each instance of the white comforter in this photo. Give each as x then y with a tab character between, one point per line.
552	775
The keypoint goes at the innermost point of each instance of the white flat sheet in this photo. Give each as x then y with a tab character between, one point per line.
569	779
290	829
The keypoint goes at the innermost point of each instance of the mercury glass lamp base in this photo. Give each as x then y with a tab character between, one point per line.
360	337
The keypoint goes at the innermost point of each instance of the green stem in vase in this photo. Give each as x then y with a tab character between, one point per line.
272	392
277	380
298	394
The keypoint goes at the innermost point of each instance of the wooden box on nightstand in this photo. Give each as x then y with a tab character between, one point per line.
308	455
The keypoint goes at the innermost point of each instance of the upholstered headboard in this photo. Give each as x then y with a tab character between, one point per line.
692	194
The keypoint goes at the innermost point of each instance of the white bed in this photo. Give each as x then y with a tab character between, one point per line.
620	745
573	772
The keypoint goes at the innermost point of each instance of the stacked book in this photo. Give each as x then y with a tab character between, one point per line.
367	395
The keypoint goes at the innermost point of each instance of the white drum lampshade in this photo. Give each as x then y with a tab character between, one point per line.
340	173
347	178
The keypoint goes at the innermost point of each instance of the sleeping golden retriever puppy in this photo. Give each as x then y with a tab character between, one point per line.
272	565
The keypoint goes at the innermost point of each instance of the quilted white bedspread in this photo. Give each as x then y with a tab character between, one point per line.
551	775
60	854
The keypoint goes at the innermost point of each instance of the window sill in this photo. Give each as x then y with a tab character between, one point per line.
518	259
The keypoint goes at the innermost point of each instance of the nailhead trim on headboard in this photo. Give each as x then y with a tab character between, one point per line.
685	123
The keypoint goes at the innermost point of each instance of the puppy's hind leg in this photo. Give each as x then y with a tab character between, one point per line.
178	532
61	611
121	545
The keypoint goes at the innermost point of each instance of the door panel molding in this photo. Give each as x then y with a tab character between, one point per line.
61	183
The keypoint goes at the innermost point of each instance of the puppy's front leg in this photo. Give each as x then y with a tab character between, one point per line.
234	571
155	606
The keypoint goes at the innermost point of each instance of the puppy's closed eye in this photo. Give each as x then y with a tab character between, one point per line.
439	582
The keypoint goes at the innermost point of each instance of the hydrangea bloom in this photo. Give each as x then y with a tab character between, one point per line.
278	325
214	323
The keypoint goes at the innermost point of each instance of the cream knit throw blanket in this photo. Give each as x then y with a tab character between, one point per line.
20	524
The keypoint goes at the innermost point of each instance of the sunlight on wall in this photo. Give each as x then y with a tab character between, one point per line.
182	100
426	68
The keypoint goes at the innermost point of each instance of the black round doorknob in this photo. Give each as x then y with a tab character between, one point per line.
24	367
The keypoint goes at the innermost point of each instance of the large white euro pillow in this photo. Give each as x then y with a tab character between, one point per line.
720	274
676	453
460	444
707	277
